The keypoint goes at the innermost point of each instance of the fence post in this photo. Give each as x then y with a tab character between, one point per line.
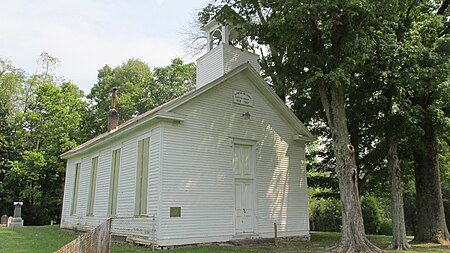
110	233
275	231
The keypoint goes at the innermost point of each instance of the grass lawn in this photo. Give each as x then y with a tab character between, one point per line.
50	238
33	239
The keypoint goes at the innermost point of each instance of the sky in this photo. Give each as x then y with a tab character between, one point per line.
87	34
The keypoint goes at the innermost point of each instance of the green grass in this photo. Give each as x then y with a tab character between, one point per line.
50	238
33	239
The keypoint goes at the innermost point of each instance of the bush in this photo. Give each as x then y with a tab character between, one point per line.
325	215
385	227
372	214
34	215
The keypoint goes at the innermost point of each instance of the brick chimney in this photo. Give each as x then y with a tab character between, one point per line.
113	115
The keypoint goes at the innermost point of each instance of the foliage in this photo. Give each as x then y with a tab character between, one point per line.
42	116
325	215
50	125
139	90
389	58
375	214
445	179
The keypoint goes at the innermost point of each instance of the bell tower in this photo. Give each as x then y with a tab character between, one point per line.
221	56
218	34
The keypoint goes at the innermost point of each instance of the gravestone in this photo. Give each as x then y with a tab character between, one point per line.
17	219
4	221
9	221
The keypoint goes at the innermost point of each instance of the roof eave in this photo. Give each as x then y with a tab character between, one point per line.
161	116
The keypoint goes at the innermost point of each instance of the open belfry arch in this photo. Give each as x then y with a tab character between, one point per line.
218	33
222	54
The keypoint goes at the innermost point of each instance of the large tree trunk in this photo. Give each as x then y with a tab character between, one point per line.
399	241
431	226
353	234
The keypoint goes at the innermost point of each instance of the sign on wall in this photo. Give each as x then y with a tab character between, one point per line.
242	98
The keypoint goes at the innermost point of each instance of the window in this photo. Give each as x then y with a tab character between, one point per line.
114	183
73	209
140	207
91	194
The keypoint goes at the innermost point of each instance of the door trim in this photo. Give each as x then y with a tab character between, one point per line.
252	179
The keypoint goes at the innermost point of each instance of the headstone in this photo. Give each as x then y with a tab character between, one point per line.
4	220
18	209
17	219
9	221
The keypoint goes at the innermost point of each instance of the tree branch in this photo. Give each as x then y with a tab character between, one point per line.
447	140
443	7
257	7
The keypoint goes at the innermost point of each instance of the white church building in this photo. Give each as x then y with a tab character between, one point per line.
225	161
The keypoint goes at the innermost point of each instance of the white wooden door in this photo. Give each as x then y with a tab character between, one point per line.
244	211
244	170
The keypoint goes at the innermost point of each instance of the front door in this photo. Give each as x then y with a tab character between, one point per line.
244	195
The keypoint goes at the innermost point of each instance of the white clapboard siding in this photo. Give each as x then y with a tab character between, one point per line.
126	224
68	191
83	188
235	57
153	174
197	176
209	67
127	178
102	187
221	60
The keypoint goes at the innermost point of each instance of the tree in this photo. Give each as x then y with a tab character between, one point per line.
139	90
324	50
318	46
426	43
52	126
40	119
11	78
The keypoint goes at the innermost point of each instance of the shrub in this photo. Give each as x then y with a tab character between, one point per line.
385	227
325	215
372	214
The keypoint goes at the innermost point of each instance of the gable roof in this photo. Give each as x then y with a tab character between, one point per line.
163	112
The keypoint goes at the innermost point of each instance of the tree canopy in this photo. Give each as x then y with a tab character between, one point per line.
42	116
352	70
140	89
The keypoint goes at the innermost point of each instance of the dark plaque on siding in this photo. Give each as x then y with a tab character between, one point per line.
175	211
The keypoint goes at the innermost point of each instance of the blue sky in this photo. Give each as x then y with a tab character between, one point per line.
85	35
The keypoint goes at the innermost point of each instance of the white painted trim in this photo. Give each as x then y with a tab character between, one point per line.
301	137
253	144
160	179
156	118
78	160
170	241
250	142
282	233
143	136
